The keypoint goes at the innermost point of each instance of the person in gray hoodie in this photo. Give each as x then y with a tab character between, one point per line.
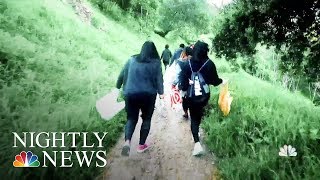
142	80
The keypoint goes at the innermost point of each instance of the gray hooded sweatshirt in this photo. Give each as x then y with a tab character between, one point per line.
141	77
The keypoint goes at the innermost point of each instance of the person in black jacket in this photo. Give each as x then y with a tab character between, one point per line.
166	56
142	80
210	75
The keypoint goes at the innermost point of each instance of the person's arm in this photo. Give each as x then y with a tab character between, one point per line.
214	77
177	73
159	79
121	77
184	77
161	55
172	59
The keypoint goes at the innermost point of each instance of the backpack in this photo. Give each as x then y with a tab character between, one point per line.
199	91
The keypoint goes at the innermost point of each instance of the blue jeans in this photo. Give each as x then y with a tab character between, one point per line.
135	103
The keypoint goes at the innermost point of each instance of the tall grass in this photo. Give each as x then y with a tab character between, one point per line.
263	118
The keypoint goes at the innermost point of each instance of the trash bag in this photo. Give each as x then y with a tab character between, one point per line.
225	99
175	98
108	106
170	75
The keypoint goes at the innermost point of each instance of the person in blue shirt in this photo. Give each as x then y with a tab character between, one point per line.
177	53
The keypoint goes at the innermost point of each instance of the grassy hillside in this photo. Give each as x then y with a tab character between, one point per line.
263	118
53	69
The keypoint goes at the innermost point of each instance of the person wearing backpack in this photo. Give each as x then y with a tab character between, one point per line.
142	80
166	56
195	78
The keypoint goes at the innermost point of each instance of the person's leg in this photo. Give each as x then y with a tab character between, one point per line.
132	116
132	110
196	115
185	107
147	109
165	66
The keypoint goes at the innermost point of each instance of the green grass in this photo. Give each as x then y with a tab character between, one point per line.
263	118
53	69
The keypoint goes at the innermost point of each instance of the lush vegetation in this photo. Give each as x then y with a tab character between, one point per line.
54	66
276	41
263	118
290	27
163	17
58	57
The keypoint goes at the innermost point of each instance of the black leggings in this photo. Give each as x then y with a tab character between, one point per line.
196	113
135	102
165	65
185	104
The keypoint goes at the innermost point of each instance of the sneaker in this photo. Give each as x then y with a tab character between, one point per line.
125	149
142	148
198	150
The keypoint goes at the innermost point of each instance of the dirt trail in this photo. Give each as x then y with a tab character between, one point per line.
170	156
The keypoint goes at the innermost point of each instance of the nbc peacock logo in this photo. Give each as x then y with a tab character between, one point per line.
26	160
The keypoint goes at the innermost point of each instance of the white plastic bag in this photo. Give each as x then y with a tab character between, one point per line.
107	106
170	75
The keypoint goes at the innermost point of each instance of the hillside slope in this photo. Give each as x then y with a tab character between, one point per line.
264	117
53	68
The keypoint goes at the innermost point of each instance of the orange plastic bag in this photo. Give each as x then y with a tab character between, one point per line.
225	100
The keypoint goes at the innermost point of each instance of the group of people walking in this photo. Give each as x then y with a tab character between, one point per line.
142	79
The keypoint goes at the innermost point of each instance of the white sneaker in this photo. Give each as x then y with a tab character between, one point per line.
198	150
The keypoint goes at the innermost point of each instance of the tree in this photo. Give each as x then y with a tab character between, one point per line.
183	16
292	26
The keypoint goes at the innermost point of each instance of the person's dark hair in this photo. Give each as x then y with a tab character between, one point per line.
167	46
188	51
200	51
148	52
181	45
